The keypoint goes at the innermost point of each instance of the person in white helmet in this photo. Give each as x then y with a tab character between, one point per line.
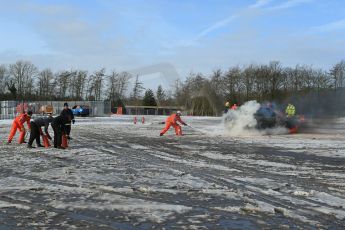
172	121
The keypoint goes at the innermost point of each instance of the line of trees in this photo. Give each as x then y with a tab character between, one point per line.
198	93
23	81
205	95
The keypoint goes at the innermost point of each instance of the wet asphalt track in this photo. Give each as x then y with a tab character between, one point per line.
121	176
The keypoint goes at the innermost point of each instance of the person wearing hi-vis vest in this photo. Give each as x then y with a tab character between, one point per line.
290	110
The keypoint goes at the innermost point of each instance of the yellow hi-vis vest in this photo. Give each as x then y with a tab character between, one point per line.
290	110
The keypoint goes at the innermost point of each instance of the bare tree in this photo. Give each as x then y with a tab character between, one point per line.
321	80
94	85
23	73
118	83
3	79
113	84
46	84
137	91
72	84
123	83
76	84
216	81
249	81
231	81
11	86
177	93
275	78
62	81
338	73
80	84
160	95
90	87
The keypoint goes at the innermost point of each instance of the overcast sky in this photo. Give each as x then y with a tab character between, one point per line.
171	37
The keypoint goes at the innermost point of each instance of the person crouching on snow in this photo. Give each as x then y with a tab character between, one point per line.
172	121
36	130
18	123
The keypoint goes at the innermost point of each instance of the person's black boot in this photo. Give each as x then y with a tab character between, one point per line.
30	146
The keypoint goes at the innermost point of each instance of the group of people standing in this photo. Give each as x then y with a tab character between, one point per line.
61	125
290	110
230	106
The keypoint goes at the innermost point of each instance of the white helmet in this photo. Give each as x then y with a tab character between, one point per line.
178	112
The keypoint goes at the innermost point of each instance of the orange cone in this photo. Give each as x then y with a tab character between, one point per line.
45	141
22	137
143	120
293	130
64	142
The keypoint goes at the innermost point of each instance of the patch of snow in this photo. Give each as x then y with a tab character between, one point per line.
4	204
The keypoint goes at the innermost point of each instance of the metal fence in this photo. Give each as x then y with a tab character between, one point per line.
150	110
9	109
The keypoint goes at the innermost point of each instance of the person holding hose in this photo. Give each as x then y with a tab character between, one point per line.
18	123
172	121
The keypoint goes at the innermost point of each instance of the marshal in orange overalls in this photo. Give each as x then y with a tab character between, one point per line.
234	107
18	123
172	121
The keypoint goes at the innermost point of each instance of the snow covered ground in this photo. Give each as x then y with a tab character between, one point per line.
117	175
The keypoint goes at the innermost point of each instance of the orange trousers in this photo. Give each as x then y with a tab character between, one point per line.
177	127
13	131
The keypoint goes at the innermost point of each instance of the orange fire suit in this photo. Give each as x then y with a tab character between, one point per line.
172	121
18	123
234	107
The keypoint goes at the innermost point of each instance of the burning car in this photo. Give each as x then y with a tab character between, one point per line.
269	117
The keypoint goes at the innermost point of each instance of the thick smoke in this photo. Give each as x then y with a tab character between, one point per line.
320	108
243	122
326	103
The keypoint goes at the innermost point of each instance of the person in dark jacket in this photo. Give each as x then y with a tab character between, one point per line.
67	112
36	130
59	127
